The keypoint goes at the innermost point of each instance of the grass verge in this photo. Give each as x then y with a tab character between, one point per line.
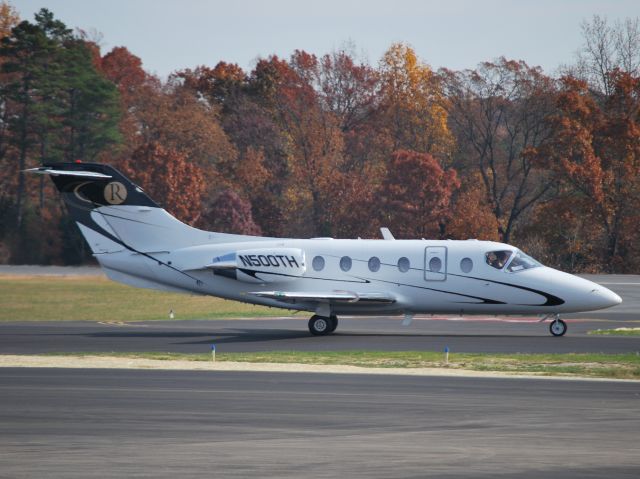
612	366
617	332
57	298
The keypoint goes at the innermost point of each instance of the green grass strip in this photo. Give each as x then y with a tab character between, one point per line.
75	298
617	332
618	366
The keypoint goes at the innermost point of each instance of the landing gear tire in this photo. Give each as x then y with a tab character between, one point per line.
334	323
558	327
320	325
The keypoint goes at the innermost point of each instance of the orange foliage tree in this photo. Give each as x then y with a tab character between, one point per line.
229	213
471	213
595	157
314	142
413	103
169	178
416	195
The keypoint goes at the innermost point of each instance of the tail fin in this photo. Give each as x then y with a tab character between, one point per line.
114	214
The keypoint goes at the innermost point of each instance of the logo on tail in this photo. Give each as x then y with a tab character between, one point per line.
115	193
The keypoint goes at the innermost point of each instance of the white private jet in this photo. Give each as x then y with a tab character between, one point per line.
140	244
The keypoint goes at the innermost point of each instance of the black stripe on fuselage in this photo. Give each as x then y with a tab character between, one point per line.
551	299
252	273
484	300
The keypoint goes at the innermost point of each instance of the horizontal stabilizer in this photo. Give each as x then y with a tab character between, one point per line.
43	170
330	297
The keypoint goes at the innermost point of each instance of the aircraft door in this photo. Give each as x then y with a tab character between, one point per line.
435	263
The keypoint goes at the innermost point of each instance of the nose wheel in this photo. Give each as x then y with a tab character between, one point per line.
558	327
322	325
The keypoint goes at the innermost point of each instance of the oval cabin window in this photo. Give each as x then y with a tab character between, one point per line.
404	265
318	263
345	263
466	265
374	264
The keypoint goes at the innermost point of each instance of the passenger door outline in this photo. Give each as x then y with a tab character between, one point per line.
430	255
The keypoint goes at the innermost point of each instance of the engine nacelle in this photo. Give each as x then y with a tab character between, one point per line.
261	265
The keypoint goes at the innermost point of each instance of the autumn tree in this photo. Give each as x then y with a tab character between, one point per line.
594	154
416	194
498	114
260	170
350	90
314	146
229	213
414	103
354	206
9	18
170	178
219	85
125	70
471	214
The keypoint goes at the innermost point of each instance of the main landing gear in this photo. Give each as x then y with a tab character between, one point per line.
321	325
557	327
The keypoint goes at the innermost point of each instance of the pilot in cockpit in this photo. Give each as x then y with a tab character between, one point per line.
498	259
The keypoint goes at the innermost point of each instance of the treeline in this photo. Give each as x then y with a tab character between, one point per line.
332	145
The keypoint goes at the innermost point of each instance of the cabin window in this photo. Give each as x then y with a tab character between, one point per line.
318	263
435	264
404	265
374	264
345	263
521	262
497	259
466	265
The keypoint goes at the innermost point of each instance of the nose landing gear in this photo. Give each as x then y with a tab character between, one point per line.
557	327
322	325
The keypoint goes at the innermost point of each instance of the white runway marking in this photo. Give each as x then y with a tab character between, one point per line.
121	324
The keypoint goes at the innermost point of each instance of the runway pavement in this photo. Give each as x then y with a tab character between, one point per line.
384	334
101	423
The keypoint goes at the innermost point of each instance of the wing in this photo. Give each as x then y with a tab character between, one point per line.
327	297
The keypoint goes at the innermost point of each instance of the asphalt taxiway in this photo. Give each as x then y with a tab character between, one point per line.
380	334
108	423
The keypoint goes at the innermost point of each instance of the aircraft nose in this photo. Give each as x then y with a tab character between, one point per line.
605	298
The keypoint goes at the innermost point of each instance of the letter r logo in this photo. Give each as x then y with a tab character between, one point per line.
115	193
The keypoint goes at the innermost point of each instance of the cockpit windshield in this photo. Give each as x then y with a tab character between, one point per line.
521	262
514	260
497	259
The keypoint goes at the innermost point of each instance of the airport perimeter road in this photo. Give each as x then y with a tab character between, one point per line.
101	423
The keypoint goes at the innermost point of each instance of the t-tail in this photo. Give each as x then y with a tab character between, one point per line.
119	221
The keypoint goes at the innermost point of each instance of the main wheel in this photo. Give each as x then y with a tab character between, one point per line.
320	325
334	323
558	327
